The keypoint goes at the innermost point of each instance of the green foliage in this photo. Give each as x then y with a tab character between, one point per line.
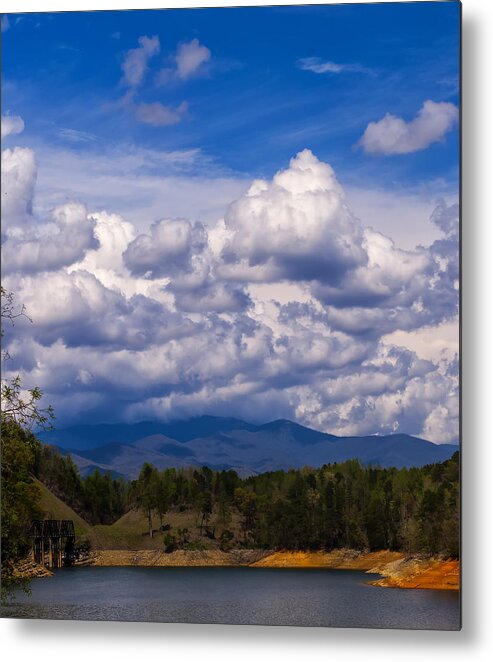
20	412
169	542
339	505
98	498
104	498
20	405
147	492
20	498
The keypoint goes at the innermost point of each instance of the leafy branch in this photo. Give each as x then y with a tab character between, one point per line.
17	404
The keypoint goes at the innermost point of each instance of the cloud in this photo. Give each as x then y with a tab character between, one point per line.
134	65
393	135
317	66
377	208
391	391
29	245
388	275
433	343
113	234
19	173
446	218
79	311
134	181
288	305
61	241
188	61
442	287
167	250
157	114
178	250
190	56
191	59
295	227
11	124
76	136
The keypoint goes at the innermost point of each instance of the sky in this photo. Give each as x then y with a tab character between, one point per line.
237	211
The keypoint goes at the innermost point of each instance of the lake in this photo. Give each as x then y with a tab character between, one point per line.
250	596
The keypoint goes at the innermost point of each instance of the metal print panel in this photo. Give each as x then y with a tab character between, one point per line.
230	315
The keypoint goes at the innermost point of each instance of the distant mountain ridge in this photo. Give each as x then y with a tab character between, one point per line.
92	436
229	443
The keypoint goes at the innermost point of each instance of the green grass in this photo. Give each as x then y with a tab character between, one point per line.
131	531
55	508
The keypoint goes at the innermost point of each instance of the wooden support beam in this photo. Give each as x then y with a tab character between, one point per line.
53	542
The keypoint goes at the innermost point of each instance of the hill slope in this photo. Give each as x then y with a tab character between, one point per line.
55	508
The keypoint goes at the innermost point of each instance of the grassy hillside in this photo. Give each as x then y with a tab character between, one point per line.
131	531
55	508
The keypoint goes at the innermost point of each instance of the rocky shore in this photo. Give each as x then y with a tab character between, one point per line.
28	569
433	573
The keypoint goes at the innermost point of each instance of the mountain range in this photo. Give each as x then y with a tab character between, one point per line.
229	443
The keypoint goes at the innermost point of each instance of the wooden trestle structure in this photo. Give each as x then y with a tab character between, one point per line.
53	542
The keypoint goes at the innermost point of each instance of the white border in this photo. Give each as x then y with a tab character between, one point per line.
17	6
79	641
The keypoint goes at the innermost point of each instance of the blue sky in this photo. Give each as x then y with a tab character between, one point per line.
247	212
253	107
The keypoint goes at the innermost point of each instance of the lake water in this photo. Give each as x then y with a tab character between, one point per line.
250	596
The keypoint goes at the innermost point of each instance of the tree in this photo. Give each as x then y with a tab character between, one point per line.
147	492
166	490
20	499
246	502
20	412
20	405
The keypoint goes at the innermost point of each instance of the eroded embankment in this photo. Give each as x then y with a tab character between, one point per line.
338	559
396	570
433	573
180	557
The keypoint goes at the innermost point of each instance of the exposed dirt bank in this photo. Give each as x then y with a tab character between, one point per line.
397	571
431	573
148	557
339	559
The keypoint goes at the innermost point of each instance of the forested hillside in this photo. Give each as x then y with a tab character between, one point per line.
338	505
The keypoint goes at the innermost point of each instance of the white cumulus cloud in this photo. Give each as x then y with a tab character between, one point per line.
167	249
61	241
288	306
393	135
295	227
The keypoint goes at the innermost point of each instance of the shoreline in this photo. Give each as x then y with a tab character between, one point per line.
396	570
